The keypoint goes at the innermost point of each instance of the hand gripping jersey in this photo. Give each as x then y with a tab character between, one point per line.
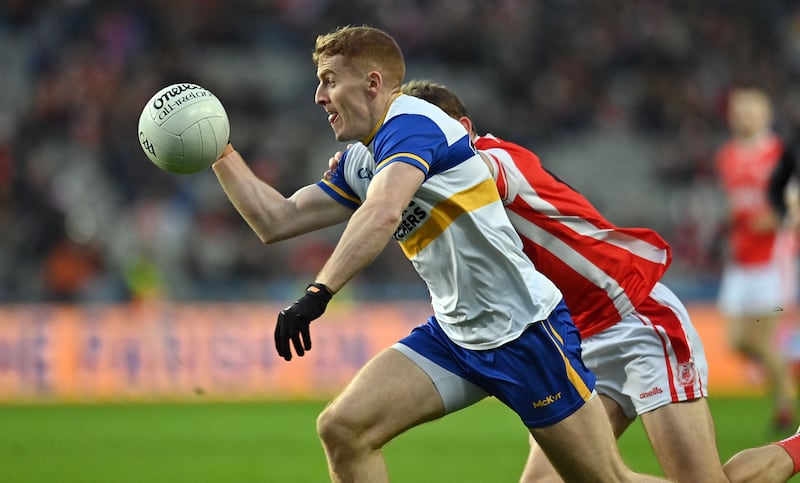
484	290
745	171
604	271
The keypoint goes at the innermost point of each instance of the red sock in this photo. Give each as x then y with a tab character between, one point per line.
792	446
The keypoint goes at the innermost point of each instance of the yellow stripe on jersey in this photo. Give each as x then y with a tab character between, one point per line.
403	155
341	192
572	374
443	214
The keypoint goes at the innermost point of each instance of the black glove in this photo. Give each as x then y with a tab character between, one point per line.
293	321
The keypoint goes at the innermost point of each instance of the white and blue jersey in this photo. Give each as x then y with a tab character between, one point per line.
455	231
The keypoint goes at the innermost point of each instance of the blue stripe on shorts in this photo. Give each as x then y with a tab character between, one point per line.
540	375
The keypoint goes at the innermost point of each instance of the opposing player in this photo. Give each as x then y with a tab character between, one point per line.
499	326
759	278
639	339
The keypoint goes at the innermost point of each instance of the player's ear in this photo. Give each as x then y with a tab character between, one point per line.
374	81
467	123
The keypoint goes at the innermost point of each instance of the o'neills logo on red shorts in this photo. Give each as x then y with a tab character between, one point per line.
652	392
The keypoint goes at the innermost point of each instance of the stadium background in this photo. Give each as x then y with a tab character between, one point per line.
123	283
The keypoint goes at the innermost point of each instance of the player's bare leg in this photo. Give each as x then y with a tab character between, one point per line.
755	338
389	395
685	452
538	468
583	447
684	442
683	439
766	464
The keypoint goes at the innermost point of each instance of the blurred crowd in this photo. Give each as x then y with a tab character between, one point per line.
624	100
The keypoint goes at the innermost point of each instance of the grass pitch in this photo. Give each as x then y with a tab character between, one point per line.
275	442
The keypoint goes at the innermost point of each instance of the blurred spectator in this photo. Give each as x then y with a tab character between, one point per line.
69	269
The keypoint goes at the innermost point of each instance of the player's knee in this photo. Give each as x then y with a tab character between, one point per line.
337	434
330	428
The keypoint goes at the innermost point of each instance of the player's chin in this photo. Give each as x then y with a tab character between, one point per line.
341	135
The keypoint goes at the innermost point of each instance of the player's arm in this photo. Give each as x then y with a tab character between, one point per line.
780	177
269	214
372	224
367	233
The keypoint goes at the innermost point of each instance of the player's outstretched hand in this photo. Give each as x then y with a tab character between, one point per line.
293	321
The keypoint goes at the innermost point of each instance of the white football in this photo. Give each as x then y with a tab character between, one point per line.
183	128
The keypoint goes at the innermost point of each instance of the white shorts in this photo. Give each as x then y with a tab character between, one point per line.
760	289
651	358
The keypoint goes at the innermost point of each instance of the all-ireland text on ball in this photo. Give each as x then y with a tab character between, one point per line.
183	128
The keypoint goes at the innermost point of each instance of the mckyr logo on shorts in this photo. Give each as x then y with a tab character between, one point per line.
547	401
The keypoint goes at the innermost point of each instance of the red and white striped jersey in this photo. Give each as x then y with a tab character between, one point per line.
603	271
744	170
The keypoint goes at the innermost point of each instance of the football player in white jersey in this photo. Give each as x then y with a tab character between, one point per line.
637	337
499	327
